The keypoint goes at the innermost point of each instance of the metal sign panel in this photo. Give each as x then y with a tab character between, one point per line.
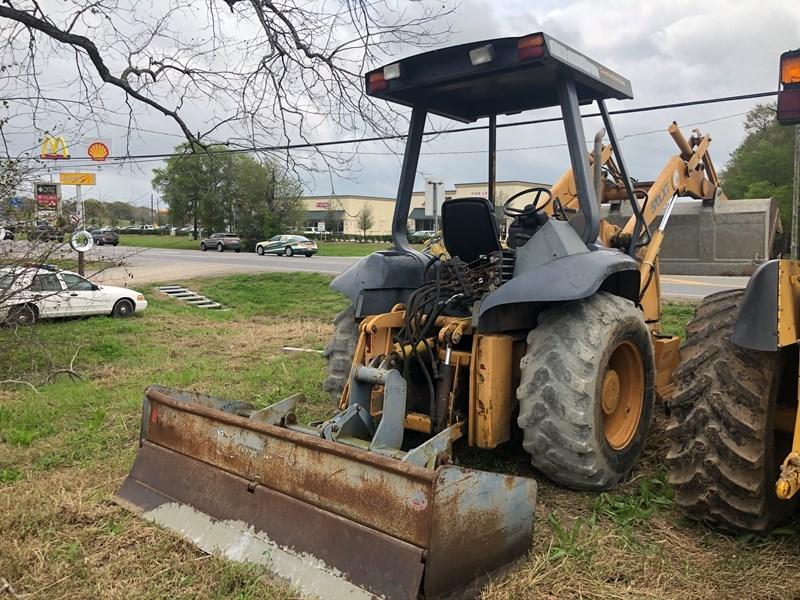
46	195
77	178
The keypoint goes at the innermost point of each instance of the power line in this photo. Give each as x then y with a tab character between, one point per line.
135	159
442	153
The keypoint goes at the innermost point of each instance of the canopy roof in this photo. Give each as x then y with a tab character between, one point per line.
447	83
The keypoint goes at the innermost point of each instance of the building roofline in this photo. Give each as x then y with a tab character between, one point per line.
334	196
500	181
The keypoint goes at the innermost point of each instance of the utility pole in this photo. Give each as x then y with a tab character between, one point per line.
152	213
81	223
194	213
796	192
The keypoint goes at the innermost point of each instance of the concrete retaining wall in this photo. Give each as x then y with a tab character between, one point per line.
730	237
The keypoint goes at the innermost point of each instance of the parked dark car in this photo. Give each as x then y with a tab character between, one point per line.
46	233
6	234
105	236
221	242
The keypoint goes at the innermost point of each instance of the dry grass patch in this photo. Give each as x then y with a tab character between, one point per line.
69	540
632	543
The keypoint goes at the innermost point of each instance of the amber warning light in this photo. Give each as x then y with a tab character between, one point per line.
789	92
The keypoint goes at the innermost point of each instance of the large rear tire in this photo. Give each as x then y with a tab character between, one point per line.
586	391
339	352
724	453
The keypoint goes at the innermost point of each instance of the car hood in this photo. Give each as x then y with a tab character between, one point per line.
119	291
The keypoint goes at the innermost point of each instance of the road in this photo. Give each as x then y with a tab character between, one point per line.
148	265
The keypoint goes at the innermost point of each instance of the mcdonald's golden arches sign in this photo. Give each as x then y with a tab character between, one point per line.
54	147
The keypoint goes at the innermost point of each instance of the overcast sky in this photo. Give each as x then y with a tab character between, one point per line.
671	51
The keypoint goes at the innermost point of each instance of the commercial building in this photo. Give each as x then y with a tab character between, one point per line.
340	214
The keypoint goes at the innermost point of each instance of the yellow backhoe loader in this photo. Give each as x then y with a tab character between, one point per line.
734	430
553	332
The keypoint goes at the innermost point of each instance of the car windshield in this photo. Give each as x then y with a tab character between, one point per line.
300	238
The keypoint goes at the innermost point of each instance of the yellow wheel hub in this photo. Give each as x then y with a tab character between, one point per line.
623	395
610	392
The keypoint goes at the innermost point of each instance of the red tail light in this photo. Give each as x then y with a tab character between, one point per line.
531	46
376	82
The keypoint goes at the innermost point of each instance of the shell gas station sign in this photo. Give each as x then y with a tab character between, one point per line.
98	151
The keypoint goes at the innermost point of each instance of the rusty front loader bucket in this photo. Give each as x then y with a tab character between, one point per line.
335	520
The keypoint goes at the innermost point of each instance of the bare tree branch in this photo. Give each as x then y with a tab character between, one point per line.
262	71
78	41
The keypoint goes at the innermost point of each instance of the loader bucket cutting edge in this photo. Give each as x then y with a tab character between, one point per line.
337	521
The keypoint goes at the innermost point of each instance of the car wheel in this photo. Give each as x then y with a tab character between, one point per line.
220	247
309	255
100	242
203	246
260	250
288	251
123	308
26	314
115	244
238	250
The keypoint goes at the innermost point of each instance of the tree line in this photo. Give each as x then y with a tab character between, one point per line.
762	165
221	191
97	212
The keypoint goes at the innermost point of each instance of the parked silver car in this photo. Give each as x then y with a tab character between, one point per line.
221	242
287	245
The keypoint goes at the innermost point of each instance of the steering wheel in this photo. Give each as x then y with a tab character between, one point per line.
511	211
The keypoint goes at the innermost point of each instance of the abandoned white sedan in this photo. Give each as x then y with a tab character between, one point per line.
32	292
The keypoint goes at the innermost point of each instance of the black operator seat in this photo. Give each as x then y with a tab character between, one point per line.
469	229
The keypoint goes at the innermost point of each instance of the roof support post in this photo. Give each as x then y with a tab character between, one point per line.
492	158
573	127
406	185
612	136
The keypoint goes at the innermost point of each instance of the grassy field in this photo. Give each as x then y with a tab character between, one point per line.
158	241
187	243
67	448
